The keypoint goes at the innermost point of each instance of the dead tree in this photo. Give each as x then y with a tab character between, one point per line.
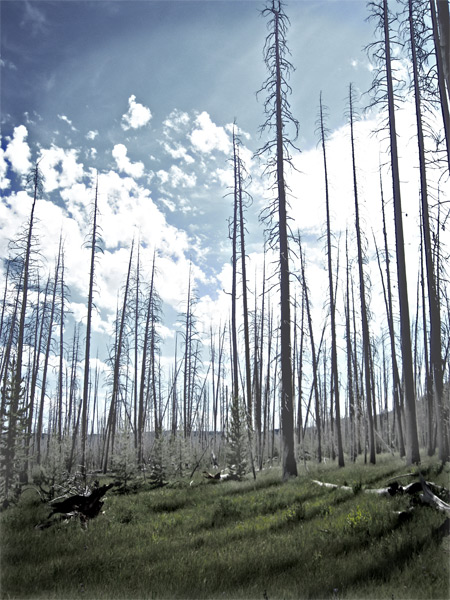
279	117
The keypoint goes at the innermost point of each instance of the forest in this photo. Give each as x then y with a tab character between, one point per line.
276	433
280	384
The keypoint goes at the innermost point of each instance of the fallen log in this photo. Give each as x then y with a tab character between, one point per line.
89	506
419	491
221	477
84	507
215	477
391	490
332	485
429	498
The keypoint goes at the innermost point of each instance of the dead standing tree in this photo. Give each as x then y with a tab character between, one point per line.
94	245
383	90
277	149
334	361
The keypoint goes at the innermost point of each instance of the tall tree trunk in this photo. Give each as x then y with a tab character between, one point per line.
412	445
362	293
112	416
397	389
315	363
84	415
334	362
433	300
16	393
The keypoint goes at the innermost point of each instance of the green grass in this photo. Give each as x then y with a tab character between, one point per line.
263	539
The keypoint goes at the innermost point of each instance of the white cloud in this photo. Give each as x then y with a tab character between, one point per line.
170	205
18	152
208	137
176	121
137	116
175	177
124	164
225	177
178	151
7	64
14	210
68	121
179	178
163	176
60	167
4	181
91	135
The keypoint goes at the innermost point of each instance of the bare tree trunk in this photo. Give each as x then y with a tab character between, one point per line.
315	364
362	293
46	358
412	446
441	26
84	415
433	300
350	385
16	393
334	362
112	417
397	391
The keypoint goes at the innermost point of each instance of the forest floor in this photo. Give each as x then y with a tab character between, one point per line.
252	539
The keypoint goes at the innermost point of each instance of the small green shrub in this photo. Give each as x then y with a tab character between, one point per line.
358	519
295	513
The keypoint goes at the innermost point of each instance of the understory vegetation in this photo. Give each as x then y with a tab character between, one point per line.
251	539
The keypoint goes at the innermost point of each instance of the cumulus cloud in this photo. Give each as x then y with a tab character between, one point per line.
137	116
178	151
176	122
18	152
124	164
91	135
4	181
207	136
176	177
60	167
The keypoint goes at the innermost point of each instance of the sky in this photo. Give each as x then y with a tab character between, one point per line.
145	93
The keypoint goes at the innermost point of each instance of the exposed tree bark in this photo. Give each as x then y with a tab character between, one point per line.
117	364
433	300
334	362
278	116
397	391
412	445
35	180
46	358
315	358
362	292
94	249
348	338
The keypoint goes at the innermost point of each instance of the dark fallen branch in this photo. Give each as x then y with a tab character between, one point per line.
84	507
215	477
89	506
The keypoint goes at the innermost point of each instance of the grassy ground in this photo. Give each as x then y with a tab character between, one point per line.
262	539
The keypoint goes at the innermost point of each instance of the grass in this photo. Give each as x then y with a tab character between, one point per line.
263	539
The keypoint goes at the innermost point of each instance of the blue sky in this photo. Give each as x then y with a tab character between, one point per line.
145	92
